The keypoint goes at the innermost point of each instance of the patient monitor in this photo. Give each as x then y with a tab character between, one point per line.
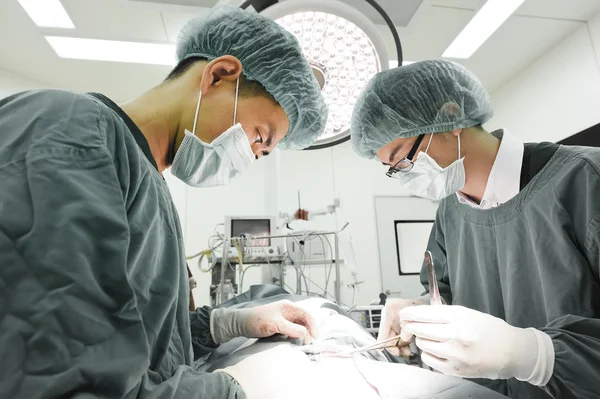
253	232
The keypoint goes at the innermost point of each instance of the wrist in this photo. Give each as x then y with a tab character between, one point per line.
534	357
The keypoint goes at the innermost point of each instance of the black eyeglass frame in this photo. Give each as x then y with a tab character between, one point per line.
408	158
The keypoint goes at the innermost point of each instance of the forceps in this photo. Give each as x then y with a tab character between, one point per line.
343	352
387	343
434	291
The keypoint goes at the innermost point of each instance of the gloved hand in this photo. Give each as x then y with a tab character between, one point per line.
390	321
282	317
466	343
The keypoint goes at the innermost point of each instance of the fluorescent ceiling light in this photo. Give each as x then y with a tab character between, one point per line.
47	13
481	27
108	50
394	63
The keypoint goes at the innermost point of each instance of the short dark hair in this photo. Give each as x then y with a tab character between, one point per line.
248	88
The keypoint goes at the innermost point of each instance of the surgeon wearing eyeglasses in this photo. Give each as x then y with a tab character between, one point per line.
515	243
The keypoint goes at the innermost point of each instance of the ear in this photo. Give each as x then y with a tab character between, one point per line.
456	132
221	69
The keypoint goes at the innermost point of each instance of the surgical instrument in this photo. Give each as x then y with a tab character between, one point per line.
342	352
434	291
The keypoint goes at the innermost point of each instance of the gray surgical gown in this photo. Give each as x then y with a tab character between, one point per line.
534	262
93	286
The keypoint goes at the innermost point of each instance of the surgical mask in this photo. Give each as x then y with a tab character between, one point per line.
429	180
201	164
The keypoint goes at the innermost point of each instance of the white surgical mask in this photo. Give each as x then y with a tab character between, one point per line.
429	180
200	164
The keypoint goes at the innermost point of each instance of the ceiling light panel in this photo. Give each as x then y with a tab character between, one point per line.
115	51
491	16
47	13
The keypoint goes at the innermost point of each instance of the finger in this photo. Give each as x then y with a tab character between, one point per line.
431	331
406	335
394	350
385	325
298	315
428	314
441	350
405	351
292	330
435	362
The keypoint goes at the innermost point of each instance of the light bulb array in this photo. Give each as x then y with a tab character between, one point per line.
345	55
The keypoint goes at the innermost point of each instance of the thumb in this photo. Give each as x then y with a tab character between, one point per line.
292	330
405	336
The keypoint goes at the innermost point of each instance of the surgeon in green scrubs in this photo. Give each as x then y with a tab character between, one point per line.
515	243
94	292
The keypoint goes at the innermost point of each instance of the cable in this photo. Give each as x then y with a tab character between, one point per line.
242	277
332	263
268	263
300	268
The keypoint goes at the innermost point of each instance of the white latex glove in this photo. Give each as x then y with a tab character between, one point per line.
390	321
466	343
282	317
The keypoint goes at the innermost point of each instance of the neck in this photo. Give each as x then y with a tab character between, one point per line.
479	149
157	115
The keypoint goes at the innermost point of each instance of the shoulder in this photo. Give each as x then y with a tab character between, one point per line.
579	155
54	119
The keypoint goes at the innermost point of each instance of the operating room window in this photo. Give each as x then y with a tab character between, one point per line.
411	243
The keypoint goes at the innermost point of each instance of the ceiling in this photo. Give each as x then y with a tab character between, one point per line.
535	28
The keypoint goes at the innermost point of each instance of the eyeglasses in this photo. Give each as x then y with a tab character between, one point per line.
406	164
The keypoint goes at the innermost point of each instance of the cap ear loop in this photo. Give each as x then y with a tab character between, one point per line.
237	90
197	109
429	144
458	146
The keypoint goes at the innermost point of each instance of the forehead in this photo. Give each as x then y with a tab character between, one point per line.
388	150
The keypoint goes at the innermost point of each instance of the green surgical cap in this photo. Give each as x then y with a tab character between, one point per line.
425	97
270	55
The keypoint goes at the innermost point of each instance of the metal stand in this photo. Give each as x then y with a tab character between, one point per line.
281	261
336	260
224	263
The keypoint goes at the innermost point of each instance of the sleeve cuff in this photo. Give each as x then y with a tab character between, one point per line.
544	366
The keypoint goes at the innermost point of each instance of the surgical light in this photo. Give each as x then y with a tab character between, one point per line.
481	27
394	63
343	47
47	13
343	58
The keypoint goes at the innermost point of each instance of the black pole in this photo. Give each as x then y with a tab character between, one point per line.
258	5
392	27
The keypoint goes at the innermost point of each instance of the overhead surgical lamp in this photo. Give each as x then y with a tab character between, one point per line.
343	47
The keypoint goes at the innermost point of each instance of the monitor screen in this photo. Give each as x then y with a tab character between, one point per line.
252	227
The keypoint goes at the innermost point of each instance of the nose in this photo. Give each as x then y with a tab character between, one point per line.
257	149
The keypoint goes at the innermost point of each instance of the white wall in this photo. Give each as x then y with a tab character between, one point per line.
200	210
558	95
11	83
